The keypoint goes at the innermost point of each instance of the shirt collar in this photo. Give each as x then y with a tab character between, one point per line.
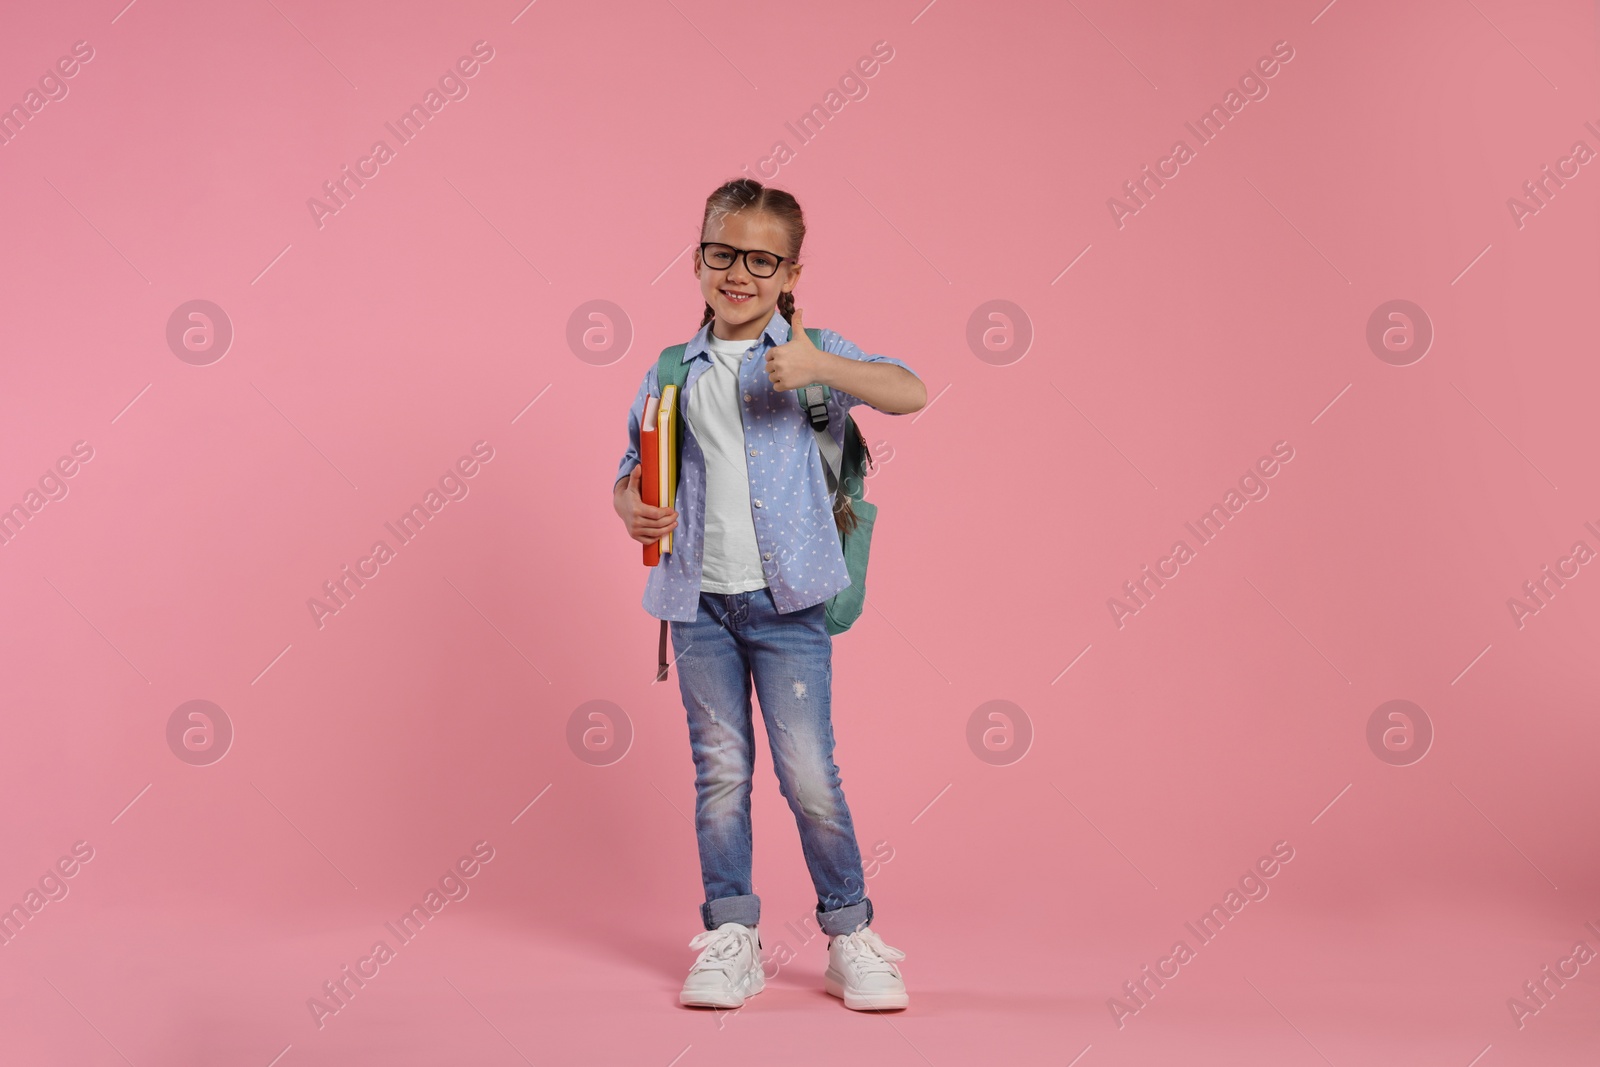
777	331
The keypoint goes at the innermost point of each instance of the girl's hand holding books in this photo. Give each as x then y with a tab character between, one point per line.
646	523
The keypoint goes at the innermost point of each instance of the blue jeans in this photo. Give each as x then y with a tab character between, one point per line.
736	637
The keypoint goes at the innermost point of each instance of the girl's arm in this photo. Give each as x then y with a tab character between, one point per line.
851	375
891	389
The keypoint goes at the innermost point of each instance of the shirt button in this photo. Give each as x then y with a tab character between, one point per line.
758	503
767	556
747	396
753	452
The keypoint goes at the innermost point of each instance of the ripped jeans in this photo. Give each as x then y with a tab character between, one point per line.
736	637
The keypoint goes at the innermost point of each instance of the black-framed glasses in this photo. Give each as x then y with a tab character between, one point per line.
721	257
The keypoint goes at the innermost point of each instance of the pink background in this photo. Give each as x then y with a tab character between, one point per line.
433	312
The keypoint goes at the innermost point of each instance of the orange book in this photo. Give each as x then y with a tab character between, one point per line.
650	470
658	461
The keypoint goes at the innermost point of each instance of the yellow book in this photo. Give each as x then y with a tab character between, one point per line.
667	449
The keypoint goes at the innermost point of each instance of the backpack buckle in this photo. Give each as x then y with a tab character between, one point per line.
816	406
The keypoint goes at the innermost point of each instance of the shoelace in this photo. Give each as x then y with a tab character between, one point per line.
721	948
867	951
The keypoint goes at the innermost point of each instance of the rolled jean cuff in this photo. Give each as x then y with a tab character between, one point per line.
744	910
846	919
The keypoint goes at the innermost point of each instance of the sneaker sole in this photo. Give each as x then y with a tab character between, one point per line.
864	1001
712	999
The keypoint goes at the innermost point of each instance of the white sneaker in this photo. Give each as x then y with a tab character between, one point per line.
728	969
862	971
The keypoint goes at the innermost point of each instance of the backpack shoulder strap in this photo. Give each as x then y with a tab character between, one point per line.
670	368
814	398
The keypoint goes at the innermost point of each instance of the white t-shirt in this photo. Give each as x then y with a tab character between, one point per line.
732	562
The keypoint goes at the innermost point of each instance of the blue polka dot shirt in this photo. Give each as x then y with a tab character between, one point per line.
789	499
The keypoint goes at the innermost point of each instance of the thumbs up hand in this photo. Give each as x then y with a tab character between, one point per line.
797	362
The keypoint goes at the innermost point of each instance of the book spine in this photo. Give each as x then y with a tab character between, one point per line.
667	443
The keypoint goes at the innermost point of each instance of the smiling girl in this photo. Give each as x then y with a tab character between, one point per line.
746	587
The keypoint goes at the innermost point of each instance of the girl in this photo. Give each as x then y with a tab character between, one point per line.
746	587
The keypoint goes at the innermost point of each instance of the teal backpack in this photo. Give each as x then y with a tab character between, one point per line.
845	469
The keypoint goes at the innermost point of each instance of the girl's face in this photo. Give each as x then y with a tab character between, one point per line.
743	302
